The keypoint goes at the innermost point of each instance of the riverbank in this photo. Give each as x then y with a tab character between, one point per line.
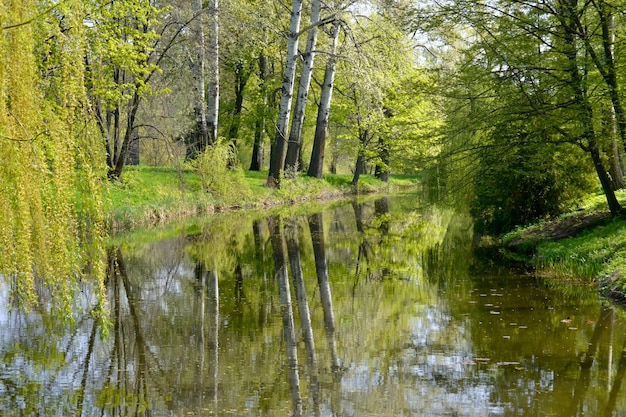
585	245
154	195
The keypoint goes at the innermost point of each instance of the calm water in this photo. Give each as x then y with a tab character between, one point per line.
368	309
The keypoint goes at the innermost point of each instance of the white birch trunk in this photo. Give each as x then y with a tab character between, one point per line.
295	139
316	164
277	157
199	73
213	102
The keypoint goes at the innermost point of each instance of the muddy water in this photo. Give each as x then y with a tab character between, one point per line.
361	309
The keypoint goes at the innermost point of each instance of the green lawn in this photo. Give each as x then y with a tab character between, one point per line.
148	195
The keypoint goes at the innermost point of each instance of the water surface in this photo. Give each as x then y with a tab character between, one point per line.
370	308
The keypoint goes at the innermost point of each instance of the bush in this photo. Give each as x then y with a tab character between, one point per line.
517	185
221	174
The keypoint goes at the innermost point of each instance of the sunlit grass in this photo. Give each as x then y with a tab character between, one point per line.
599	254
148	195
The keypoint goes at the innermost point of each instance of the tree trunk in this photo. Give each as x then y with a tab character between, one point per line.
359	167
277	155
259	125
569	26
213	102
119	161
616	164
295	134
134	149
608	41
282	278
316	165
382	167
316	227
198	69
241	79
607	187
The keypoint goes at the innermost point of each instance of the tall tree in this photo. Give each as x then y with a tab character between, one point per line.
198	66
213	72
316	164
277	155
51	153
123	58
308	58
258	148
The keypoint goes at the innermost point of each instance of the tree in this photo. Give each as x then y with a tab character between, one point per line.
277	155
316	165
295	133
213	69
122	59
378	62
258	148
527	82
51	154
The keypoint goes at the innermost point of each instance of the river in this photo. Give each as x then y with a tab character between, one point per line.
357	308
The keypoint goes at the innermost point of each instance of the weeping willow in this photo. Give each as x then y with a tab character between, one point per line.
51	222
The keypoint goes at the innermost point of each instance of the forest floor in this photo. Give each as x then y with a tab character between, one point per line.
586	244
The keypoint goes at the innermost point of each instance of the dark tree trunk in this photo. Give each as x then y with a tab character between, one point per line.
316	227
259	125
382	168
241	79
569	13
614	206
358	169
120	157
133	149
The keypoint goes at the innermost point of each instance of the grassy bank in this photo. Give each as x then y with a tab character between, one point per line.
586	245
152	195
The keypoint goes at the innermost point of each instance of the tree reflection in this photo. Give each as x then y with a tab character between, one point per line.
280	263
293	250
201	325
316	227
128	369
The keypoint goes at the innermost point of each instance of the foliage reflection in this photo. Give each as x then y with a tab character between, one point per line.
370	307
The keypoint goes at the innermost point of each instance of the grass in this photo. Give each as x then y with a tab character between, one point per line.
585	244
151	195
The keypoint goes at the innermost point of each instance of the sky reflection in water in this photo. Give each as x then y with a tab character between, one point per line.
364	309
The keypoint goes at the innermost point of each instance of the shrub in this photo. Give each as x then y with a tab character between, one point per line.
221	174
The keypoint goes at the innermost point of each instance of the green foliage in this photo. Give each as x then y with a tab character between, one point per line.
516	184
121	42
49	142
221	174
